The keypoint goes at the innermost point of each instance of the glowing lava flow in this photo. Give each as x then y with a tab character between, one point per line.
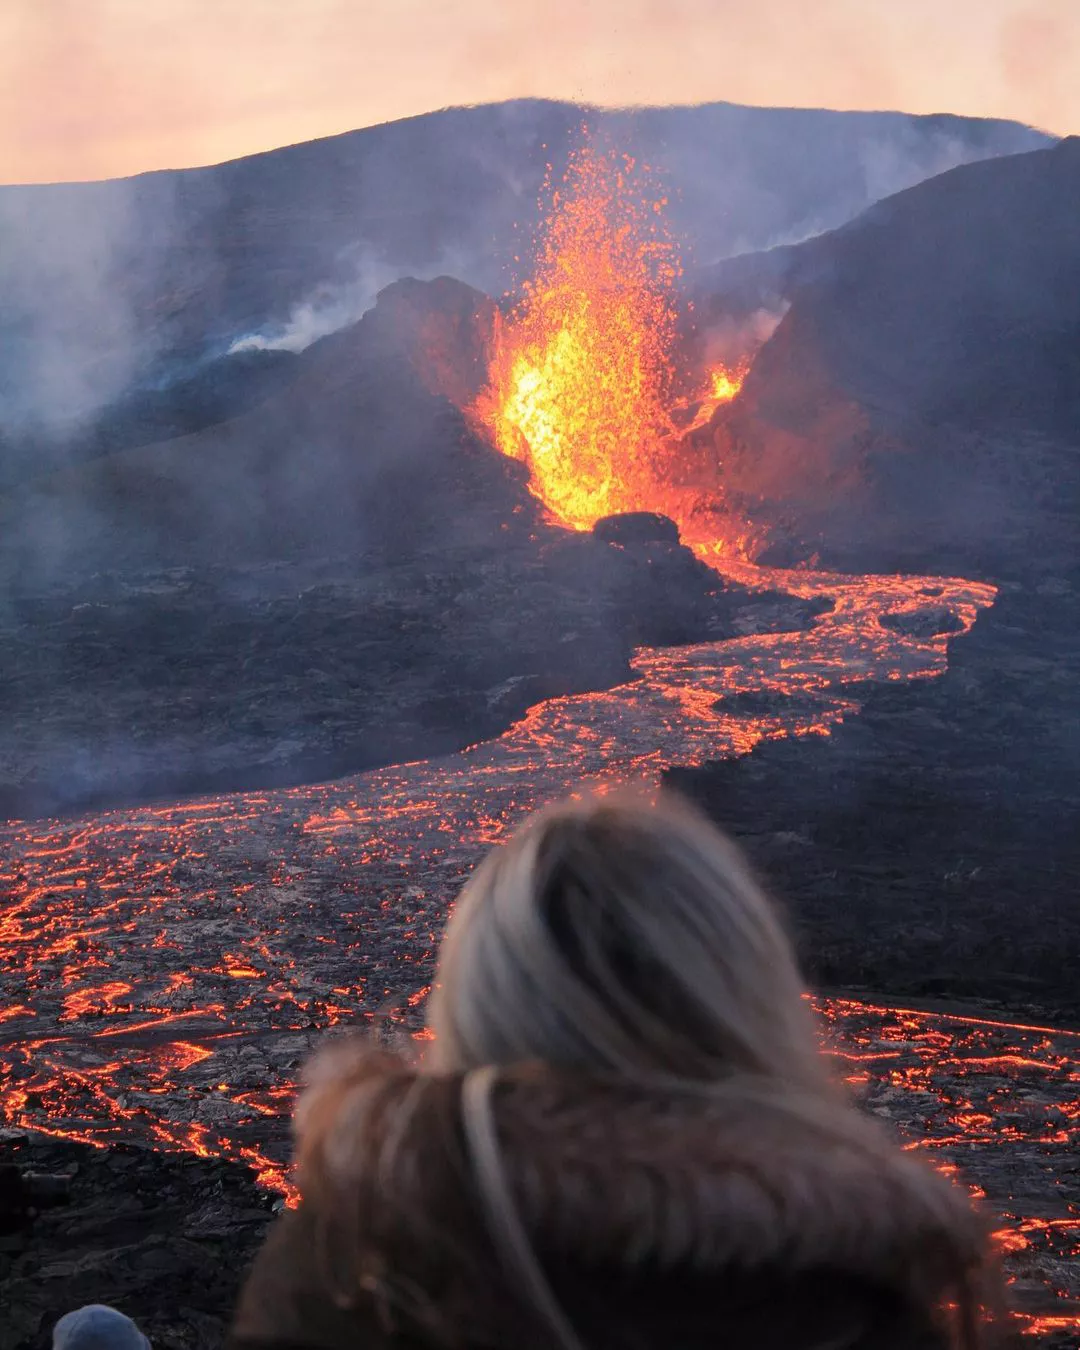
725	384
166	969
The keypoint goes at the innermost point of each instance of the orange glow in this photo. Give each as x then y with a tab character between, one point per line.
197	947
727	381
104	998
583	384
580	382
152	1053
725	384
1045	1326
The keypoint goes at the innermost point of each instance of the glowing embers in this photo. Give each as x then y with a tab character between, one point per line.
208	943
1000	1099
584	386
95	999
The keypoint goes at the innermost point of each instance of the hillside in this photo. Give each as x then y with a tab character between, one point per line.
342	577
918	409
353	452
106	285
919	404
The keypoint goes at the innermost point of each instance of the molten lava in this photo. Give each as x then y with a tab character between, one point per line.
726	382
582	384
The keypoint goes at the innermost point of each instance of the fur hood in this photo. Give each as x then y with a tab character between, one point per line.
725	1204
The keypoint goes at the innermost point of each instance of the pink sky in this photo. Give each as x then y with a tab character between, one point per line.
98	88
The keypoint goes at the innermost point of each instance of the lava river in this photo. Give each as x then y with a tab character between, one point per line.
166	969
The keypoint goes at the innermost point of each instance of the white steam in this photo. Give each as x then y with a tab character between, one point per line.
70	336
891	166
329	308
731	341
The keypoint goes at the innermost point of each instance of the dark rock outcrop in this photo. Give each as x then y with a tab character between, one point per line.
939	830
356	453
926	623
918	410
165	1237
637	527
152	684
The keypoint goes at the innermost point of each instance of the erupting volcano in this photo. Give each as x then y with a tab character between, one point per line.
170	966
585	386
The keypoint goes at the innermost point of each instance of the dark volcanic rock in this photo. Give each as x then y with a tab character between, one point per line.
345	576
176	405
198	679
921	398
164	1237
918	410
442	328
926	623
941	827
359	451
637	527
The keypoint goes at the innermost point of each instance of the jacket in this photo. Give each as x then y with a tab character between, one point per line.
662	1221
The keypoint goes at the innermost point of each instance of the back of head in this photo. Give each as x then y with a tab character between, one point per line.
614	933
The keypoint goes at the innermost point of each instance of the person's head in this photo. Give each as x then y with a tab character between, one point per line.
620	934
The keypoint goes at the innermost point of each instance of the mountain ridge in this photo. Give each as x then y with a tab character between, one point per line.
111	285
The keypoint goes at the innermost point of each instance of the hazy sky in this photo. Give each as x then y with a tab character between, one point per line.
96	88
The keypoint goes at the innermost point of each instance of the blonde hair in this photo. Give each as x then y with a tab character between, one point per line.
619	935
616	934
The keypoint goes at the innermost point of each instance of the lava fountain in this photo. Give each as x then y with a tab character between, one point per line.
584	385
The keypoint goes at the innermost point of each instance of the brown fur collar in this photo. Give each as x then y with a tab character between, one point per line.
626	1181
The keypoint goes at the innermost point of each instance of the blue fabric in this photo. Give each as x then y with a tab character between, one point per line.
97	1327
